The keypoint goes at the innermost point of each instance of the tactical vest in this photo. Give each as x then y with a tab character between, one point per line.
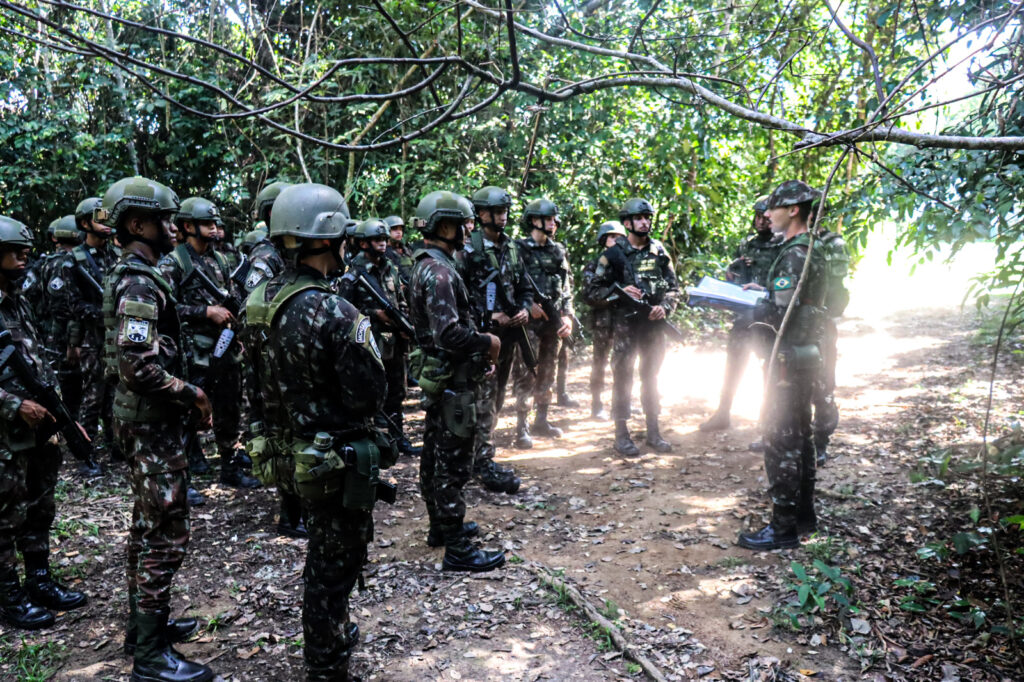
128	405
805	327
641	269
837	267
478	258
203	335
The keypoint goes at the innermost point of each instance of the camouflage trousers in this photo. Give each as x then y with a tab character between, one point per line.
563	369
491	397
447	458
97	398
630	340
602	337
160	528
789	455
546	345
394	371
826	412
334	559
223	384
28	480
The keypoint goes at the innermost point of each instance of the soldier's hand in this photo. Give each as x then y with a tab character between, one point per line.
74	356
501	319
219	315
566	329
34	414
84	434
657	313
495	349
537	313
634	292
520	318
753	286
383	318
205	408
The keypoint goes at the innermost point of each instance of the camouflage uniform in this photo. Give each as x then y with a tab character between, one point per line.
220	378
143	348
650	269
441	313
485	263
327	376
85	334
600	320
826	411
549	268
393	348
57	317
400	254
264	263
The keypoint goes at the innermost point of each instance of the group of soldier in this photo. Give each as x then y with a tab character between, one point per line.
314	329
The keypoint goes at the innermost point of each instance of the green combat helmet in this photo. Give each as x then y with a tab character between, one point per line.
136	192
438	206
634	207
761	205
65	230
372	228
266	198
492	197
198	210
308	211
86	207
538	208
255	235
14	233
607	228
394	221
468	210
792	193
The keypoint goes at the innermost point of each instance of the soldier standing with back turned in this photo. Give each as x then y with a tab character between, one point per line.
642	267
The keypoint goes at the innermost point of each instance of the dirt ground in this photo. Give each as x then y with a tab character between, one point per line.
650	540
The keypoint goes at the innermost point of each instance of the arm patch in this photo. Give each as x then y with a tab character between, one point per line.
136	331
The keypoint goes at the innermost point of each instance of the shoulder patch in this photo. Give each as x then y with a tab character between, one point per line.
362	330
136	330
782	283
56	284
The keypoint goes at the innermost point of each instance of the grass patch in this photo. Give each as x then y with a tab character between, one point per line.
32	662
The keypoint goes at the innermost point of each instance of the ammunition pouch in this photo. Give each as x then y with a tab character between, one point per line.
202	350
805	358
272	463
459	412
132	407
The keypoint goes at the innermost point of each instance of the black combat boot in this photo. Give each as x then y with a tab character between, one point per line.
497	478
337	670
435	537
178	629
654	438
197	463
566	400
597	409
46	591
290	522
806	518
406	447
542	427
16	609
523	440
155	660
624	445
232	474
462	555
195	498
719	421
779	534
821	451
90	469
757	445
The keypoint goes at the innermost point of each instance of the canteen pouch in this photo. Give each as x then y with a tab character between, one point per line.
202	350
805	358
432	373
459	412
319	474
363	476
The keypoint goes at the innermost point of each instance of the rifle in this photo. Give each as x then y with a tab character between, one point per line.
241	273
89	279
223	298
641	310
393	313
46	395
518	334
554	315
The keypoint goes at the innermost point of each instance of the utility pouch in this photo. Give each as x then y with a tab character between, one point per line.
806	358
432	373
319	470
202	349
459	412
271	463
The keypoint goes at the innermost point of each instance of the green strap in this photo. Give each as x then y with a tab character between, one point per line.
801	239
260	312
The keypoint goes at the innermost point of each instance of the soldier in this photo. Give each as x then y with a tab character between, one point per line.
83	275
264	260
398	251
753	258
152	401
642	267
837	297
31	461
207	304
789	457
379	272
323	384
493	271
547	270
601	318
55	315
448	364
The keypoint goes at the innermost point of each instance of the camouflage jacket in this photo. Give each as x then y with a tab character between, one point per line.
441	309
83	300
548	265
600	310
386	278
199	334
16	317
143	342
321	357
32	287
401	255
761	251
649	268
265	263
807	322
54	312
499	267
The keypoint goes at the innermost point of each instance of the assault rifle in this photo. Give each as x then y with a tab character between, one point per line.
518	335
552	312
400	321
222	298
46	395
241	272
89	279
641	309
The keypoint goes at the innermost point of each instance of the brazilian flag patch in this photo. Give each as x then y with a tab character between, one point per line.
782	283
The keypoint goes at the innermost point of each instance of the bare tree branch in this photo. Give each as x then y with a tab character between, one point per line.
870	51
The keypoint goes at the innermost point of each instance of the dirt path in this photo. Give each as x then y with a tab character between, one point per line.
650	540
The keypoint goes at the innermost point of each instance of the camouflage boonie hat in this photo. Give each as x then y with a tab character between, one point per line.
761	205
792	193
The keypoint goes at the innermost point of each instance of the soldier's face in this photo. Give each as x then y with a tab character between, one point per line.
397	233
609	240
14	258
99	228
640	223
780	217
498	217
762	223
376	246
208	230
